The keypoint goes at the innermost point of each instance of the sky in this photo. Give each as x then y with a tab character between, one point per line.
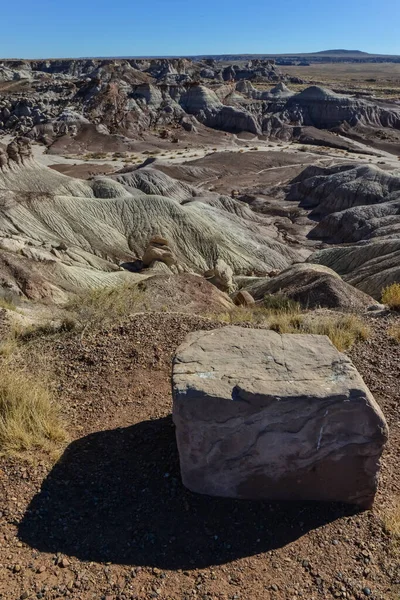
81	28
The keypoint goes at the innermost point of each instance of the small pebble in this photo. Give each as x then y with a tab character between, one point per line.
63	563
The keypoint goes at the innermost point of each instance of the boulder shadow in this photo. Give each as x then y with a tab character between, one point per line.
116	496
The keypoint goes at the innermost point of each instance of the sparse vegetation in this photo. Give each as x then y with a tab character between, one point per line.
7	304
68	323
391	518
243	314
286	322
293	214
8	299
391	296
29	418
9	343
343	330
280	303
103	306
95	155
394	332
283	315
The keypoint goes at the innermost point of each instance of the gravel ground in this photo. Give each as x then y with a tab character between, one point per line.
111	520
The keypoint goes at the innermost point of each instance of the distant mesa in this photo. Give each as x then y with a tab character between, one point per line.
341	51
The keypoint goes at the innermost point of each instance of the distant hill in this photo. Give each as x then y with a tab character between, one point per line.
306	58
339	55
342	52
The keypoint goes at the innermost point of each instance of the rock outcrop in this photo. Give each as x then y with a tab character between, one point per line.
221	275
159	250
312	286
16	153
69	234
370	267
360	206
120	98
263	415
335	189
243	298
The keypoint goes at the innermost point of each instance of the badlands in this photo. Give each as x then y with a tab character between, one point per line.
218	219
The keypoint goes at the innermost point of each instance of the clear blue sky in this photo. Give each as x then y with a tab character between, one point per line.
71	28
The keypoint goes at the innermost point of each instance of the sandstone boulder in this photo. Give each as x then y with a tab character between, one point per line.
243	298
221	276
158	249
262	415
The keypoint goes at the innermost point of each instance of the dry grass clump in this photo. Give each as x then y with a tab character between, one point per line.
95	155
394	332
284	316
7	304
391	296
281	303
286	322
391	520
272	307
29	418
9	342
8	300
276	308
42	329
243	314
104	306
260	313
342	330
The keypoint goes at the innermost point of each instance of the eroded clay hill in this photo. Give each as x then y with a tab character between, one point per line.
102	105
358	213
60	234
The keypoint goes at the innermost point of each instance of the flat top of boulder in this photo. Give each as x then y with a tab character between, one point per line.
254	367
